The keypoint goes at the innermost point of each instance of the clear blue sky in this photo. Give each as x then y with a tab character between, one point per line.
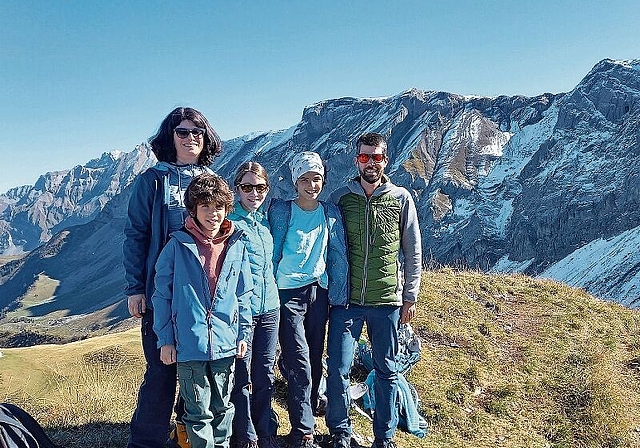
81	77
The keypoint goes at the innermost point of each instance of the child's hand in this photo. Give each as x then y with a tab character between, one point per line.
168	354
242	349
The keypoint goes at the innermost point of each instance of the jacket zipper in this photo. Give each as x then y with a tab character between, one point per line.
232	239
264	275
366	248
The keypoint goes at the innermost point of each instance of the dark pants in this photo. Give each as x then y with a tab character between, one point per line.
254	380
150	421
303	318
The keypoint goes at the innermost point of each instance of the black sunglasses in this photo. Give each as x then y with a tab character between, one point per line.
260	188
364	158
184	132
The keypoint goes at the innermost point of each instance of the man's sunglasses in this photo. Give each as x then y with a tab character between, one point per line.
364	158
260	188
184	132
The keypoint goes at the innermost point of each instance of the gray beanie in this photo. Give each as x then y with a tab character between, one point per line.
304	162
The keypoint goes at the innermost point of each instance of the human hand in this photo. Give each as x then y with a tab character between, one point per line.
408	312
242	349
137	305
168	354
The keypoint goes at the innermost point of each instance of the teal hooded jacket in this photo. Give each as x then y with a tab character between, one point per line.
260	246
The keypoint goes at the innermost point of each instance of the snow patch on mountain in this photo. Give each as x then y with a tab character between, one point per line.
519	149
506	266
501	220
605	267
630	63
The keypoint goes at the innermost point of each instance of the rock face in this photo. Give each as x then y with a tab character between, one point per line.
31	215
539	185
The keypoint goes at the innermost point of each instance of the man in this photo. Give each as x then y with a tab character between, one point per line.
385	259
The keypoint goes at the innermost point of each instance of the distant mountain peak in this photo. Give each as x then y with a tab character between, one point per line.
512	183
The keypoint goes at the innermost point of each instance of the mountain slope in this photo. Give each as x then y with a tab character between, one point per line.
506	184
31	215
506	361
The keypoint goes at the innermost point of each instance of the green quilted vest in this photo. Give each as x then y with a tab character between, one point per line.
373	232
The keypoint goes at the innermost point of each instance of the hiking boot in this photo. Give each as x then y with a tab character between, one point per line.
305	442
247	444
269	442
178	437
384	443
341	440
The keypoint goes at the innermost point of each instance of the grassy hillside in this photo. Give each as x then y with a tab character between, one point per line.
508	361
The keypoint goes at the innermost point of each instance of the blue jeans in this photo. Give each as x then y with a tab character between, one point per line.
345	327
150	421
205	387
303	319
254	379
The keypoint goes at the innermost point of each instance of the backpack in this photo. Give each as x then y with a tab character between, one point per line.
20	430
409	349
408	401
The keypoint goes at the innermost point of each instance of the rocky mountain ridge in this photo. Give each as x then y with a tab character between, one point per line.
546	185
31	215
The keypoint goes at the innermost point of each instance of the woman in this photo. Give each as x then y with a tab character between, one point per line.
254	377
185	144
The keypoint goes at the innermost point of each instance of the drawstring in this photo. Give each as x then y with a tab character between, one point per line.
181	193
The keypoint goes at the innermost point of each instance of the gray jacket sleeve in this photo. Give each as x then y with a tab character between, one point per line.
411	246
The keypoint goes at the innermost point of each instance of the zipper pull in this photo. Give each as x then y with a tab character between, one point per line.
209	315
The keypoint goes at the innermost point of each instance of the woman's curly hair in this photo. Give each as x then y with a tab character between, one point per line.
162	142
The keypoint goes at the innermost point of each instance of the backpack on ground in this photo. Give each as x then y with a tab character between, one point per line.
18	429
409	349
408	401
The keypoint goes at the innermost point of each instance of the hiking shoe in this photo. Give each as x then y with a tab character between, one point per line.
247	444
305	442
384	443
178	437
269	442
341	440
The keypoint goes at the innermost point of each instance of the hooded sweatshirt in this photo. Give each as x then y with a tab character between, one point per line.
211	248
155	210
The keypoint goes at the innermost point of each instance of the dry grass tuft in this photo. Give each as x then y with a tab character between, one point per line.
508	361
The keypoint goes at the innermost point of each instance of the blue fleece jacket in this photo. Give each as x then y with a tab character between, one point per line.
337	264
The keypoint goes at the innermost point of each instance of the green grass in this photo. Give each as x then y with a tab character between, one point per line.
41	291
507	361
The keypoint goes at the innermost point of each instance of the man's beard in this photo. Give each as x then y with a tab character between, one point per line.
371	176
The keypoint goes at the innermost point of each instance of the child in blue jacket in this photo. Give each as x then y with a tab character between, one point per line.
312	272
253	426
201	307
